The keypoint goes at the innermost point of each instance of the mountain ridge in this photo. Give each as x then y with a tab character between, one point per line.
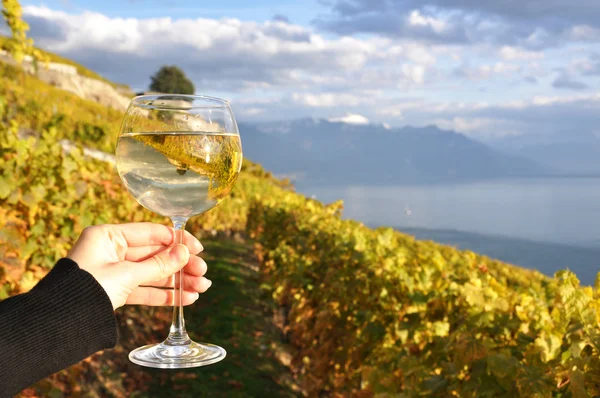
336	152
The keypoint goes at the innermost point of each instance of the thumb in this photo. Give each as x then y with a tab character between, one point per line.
161	265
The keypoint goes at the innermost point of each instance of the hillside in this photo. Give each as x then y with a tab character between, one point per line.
71	76
81	70
318	151
365	312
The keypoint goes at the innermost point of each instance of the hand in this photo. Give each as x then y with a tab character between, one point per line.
132	261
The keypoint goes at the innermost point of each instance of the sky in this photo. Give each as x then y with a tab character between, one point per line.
493	70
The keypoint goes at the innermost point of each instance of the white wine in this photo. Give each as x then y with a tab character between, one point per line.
179	174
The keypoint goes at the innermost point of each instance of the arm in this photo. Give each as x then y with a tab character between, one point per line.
66	317
69	314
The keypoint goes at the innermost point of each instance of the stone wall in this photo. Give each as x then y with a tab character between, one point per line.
66	77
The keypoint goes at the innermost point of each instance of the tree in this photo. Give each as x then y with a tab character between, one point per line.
171	80
19	44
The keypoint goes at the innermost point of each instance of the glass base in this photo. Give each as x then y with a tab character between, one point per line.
166	356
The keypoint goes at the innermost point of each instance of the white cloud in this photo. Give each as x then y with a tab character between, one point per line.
533	24
563	99
422	72
415	72
350	118
478	128
252	111
325	99
244	53
228	54
487	71
534	116
584	33
417	19
395	112
510	53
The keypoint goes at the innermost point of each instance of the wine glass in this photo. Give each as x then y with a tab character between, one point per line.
179	156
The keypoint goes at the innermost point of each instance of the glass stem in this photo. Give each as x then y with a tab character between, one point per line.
177	333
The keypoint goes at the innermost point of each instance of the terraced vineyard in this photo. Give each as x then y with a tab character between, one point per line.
365	312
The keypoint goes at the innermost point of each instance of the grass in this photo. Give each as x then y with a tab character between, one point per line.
233	315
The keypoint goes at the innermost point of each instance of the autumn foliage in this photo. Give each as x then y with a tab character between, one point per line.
368	312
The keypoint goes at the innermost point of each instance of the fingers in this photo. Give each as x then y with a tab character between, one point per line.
190	283
157	297
193	280
160	266
141	253
150	234
195	266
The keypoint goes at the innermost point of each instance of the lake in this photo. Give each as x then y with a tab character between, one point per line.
547	223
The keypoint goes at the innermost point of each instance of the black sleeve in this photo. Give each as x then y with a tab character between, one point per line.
65	318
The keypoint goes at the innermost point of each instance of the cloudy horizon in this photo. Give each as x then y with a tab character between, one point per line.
486	69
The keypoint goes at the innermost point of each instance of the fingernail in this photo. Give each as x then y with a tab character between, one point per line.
179	254
197	296
209	283
199	247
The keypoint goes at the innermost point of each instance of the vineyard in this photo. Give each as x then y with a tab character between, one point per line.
368	312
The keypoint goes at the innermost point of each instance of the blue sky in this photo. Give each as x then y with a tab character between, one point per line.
491	70
297	11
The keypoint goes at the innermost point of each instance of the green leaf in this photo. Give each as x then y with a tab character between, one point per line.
572	297
577	347
39	229
6	187
533	382
4	291
501	365
469	349
55	393
441	328
549	345
39	192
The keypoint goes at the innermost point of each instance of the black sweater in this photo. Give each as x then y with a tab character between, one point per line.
66	317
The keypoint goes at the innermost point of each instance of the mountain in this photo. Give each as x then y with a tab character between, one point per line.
567	154
569	158
325	152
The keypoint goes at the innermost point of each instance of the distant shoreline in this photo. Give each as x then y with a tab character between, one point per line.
457	181
410	230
